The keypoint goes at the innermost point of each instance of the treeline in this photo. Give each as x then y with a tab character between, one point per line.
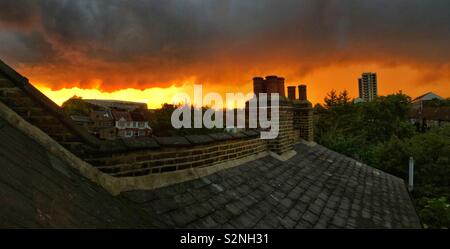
379	134
160	121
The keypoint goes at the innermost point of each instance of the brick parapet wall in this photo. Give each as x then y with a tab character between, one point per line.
166	159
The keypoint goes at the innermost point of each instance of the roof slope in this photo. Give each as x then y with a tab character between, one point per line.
317	188
428	95
32	96
39	190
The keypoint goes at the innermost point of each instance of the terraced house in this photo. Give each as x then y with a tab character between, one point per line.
131	124
56	174
111	121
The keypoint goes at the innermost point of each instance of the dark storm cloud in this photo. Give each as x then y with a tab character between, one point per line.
182	36
19	13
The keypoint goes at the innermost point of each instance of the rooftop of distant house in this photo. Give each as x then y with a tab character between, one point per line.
101	116
427	96
126	105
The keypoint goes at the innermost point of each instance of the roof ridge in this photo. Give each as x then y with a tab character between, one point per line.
32	92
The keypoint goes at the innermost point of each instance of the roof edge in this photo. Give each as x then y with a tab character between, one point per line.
24	84
85	169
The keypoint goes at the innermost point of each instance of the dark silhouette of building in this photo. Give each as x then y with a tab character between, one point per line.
367	85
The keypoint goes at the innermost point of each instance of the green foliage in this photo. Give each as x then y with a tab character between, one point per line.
435	213
76	106
392	156
160	122
334	100
385	117
355	129
431	152
379	134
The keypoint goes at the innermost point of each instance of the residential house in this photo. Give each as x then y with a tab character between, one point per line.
425	115
424	98
116	104
103	124
131	124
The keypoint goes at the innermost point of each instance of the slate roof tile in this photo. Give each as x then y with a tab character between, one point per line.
66	199
317	188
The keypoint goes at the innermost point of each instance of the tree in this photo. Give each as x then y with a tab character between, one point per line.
435	213
160	121
343	98
379	133
76	106
431	153
331	99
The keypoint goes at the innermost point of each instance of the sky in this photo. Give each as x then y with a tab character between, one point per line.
149	50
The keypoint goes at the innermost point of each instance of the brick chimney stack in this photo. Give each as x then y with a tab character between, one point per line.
284	142
291	92
303	118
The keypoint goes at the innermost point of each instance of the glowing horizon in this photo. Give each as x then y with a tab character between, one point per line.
319	84
153	97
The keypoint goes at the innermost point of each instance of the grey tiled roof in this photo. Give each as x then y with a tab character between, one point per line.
317	188
38	190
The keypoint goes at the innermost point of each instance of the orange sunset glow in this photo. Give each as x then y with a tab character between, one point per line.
146	52
391	80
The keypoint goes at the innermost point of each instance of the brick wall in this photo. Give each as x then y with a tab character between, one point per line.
138	157
303	120
285	140
166	159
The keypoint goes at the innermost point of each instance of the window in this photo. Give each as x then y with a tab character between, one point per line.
141	133
129	134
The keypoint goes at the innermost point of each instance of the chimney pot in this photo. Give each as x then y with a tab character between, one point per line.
272	83
258	85
291	92
302	92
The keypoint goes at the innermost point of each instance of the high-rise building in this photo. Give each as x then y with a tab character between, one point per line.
368	86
